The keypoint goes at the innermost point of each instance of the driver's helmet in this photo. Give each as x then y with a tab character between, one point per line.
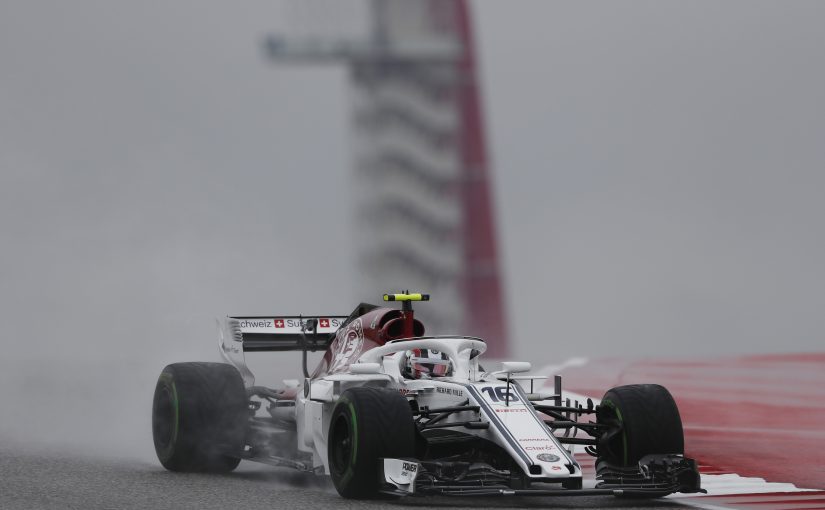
426	363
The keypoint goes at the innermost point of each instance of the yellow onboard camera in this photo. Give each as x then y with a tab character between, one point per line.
406	297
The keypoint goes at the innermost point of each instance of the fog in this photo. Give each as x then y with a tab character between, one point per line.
657	167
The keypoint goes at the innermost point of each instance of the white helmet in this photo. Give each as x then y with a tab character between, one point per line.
426	363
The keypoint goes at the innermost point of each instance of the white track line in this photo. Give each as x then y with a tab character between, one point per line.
732	484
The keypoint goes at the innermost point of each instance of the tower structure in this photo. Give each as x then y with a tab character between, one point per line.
424	209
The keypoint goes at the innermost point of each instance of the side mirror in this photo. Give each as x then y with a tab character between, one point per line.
365	368
515	367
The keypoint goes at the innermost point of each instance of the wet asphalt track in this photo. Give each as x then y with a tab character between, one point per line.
56	481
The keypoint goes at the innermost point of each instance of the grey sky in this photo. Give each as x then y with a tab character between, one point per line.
658	169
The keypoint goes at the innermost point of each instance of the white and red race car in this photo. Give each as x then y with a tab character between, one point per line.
389	410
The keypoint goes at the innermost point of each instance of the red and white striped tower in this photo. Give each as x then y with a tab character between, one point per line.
424	208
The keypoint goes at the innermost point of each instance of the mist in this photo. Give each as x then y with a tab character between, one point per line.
657	167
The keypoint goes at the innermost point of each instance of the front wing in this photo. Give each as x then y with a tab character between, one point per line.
654	476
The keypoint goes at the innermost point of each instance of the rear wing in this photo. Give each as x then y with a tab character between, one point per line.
284	333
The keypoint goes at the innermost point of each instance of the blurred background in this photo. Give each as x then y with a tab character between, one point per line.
596	179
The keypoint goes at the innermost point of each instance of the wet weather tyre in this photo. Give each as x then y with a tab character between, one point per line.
199	417
643	420
366	425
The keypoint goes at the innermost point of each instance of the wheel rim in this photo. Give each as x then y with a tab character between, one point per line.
341	445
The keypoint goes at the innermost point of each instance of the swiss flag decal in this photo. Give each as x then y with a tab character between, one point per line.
279	323
324	323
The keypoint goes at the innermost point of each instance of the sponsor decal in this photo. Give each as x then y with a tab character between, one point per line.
449	391
548	457
349	343
531	439
511	410
255	323
279	325
555	468
539	448
409	467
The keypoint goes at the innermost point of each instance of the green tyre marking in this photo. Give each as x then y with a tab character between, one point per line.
176	407
350	471
354	434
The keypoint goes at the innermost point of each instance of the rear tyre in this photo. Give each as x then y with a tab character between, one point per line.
643	420
199	417
366	425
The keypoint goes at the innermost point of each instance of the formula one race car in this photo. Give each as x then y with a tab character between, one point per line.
391	411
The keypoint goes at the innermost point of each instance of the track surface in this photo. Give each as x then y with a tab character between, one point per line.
53	481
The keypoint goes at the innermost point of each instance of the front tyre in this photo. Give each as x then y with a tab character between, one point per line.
199	417
366	425
643	419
